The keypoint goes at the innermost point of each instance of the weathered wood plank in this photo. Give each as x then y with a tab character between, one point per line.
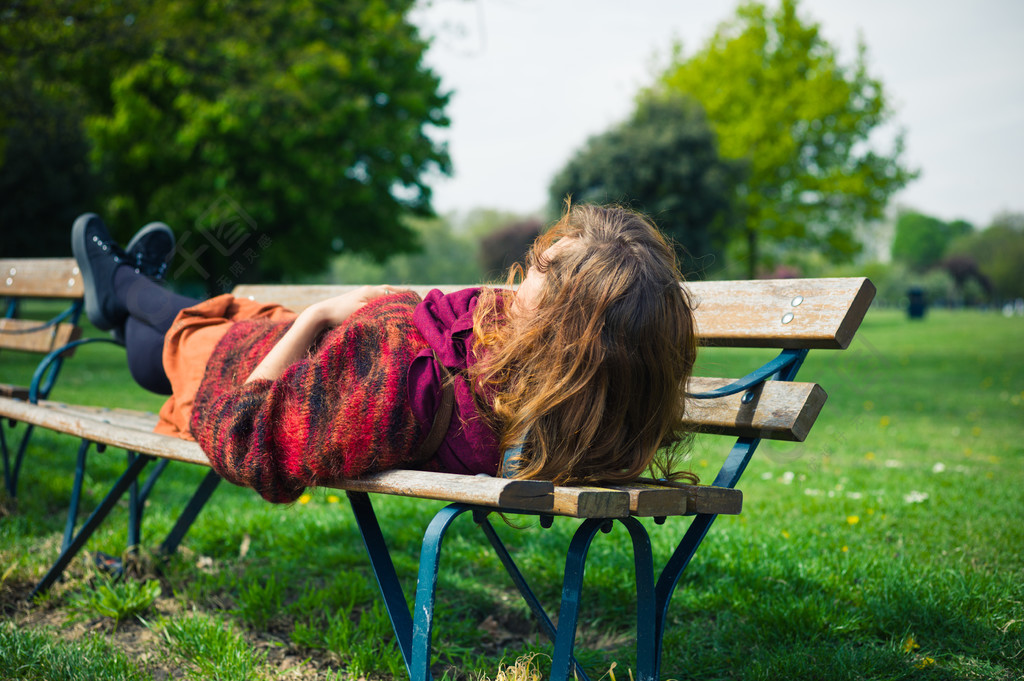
299	297
776	313
127	429
533	495
781	313
18	334
16	391
40	278
590	502
65	419
777	410
649	499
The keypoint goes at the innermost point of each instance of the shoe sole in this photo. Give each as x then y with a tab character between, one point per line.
78	248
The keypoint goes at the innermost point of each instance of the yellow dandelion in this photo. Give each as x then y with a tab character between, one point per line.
884	422
305	499
845	549
853	519
968	451
926	662
870	456
987	383
703	463
975	431
871	511
785	535
333	499
868	405
910	645
993	459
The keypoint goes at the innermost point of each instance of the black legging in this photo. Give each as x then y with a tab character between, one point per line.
151	311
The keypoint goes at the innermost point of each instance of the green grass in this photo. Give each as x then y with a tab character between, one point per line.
887	546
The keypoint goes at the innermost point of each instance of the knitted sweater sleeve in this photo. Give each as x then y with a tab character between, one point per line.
339	413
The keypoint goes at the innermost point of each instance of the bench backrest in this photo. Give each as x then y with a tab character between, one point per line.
788	314
38	278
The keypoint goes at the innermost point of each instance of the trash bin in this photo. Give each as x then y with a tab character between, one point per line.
917	303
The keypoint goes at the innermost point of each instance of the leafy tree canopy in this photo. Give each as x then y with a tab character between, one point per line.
662	161
921	240
777	96
297	126
998	251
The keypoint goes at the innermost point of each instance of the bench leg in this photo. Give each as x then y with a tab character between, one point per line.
137	501
572	587
13	468
524	588
76	495
188	516
384	571
426	588
93	522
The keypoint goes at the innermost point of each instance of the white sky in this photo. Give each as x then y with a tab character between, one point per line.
533	79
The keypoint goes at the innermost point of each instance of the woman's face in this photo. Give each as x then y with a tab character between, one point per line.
529	291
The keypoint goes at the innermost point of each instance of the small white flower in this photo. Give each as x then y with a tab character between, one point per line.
854	495
893	463
767	475
787	478
811	492
939	467
915	497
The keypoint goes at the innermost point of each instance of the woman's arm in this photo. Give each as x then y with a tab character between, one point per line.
294	345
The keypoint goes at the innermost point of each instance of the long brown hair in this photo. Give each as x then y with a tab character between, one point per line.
590	382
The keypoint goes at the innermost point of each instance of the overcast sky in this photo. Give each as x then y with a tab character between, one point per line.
533	79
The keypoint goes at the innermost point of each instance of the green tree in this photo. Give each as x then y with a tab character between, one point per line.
998	251
268	134
921	240
778	97
448	257
663	161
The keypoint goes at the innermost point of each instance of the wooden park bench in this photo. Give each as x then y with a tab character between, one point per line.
793	316
25	282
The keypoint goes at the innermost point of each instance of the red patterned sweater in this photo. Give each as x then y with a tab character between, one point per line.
340	413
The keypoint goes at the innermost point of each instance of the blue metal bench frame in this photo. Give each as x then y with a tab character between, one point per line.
414	634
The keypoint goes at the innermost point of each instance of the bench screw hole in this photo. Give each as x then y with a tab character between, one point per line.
787	318
748	397
796	301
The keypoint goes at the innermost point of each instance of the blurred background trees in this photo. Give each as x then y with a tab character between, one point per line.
779	99
290	141
292	123
662	161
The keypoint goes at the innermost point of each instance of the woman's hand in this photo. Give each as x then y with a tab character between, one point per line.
310	323
334	311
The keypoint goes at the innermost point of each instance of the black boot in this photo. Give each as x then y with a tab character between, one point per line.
151	249
98	257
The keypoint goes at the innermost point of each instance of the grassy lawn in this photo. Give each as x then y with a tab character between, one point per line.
890	545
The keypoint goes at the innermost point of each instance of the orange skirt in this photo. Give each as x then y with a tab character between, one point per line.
188	346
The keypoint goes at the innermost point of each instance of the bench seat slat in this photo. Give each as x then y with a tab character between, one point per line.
40	278
780	410
127	429
648	500
16	334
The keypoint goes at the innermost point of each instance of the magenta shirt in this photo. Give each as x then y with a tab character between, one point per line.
446	323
